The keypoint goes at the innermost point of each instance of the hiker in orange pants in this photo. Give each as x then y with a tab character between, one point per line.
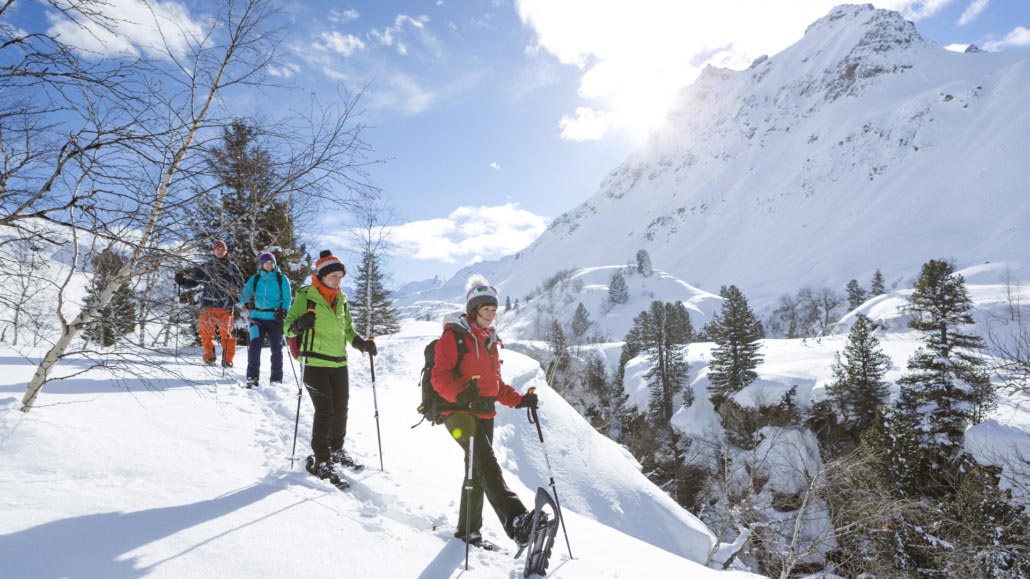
222	319
222	282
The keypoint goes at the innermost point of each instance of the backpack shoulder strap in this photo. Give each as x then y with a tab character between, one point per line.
279	276
459	340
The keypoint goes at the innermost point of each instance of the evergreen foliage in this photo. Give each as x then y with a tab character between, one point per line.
946	387
736	333
507	303
580	321
876	286
858	389
644	263
246	172
618	291
661	331
118	318
371	309
856	294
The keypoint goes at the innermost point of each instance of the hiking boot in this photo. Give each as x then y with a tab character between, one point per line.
475	539
323	470
210	362
252	382
522	526
343	458
225	364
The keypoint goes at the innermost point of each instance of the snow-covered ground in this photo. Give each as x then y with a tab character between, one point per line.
107	478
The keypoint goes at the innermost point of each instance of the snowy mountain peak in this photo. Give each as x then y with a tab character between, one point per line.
857	148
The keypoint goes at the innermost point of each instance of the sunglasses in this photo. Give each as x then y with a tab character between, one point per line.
483	289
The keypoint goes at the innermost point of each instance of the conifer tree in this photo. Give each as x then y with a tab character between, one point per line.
381	318
644	263
947	384
876	287
580	321
858	388
736	333
618	291
660	332
246	171
507	303
595	381
856	294
118	318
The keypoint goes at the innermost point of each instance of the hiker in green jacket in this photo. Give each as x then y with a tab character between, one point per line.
320	317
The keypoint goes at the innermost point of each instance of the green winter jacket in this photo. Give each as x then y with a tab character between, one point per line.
325	345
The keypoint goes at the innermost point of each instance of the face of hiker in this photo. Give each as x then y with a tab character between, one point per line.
485	316
268	265
332	280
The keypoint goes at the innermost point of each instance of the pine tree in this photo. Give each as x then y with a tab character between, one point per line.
644	263
618	291
947	386
876	287
580	321
246	171
118	318
660	332
595	382
507	303
369	291
856	294
858	388
736	333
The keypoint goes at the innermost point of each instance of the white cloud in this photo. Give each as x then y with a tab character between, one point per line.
973	11
587	125
390	36
636	55
494	166
153	28
401	92
1019	36
470	234
957	47
345	44
285	71
342	16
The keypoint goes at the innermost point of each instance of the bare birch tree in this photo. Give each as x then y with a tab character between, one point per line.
133	172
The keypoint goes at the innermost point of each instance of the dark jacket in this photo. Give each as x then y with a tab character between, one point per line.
222	282
482	359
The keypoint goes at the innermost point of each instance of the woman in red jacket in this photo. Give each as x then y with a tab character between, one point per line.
476	384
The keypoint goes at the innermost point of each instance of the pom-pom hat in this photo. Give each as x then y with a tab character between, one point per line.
218	243
479	293
328	263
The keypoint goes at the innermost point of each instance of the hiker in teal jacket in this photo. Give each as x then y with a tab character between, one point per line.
321	318
267	295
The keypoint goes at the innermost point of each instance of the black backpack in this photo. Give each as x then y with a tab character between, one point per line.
433	405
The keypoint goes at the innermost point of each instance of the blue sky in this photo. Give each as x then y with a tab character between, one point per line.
495	116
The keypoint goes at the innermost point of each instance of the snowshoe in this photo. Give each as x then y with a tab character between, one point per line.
325	471
476	540
343	458
539	538
252	382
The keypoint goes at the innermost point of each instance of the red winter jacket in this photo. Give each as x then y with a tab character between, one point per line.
481	358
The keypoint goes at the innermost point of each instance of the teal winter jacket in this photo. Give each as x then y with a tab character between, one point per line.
270	291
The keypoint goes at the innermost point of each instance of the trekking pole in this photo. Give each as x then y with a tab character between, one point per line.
375	404
534	419
468	497
300	394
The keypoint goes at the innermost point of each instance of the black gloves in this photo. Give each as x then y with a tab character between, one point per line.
470	395
365	346
528	400
280	314
303	323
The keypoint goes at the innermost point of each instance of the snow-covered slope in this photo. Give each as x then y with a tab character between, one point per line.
192	480
861	146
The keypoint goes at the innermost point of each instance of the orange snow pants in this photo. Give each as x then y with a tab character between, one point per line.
220	319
